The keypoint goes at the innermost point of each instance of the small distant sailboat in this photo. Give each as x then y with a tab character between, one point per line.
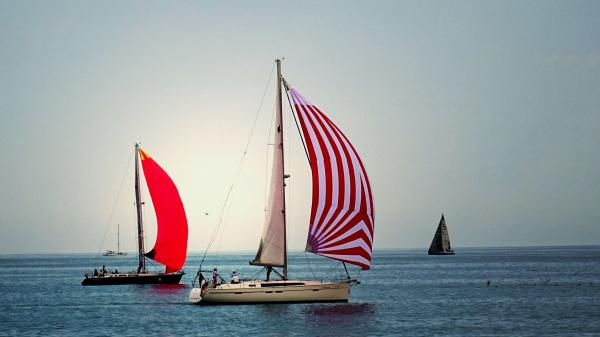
440	245
118	252
170	248
341	222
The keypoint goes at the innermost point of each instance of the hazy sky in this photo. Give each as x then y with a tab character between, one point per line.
488	111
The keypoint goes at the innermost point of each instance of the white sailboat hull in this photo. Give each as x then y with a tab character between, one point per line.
253	292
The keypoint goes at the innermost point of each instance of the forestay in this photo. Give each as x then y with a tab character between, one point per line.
342	215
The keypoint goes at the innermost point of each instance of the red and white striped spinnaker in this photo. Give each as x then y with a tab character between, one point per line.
342	215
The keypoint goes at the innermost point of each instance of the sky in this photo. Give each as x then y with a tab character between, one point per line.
486	111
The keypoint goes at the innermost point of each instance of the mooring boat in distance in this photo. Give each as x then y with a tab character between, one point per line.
170	248
118	252
440	245
341	222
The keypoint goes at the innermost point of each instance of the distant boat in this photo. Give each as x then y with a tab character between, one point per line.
118	252
440	245
170	248
341	223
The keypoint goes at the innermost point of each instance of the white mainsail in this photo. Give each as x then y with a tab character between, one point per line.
271	251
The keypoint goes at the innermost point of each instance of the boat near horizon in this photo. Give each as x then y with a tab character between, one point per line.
118	252
440	245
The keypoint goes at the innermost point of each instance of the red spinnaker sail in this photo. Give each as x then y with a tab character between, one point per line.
170	248
342	215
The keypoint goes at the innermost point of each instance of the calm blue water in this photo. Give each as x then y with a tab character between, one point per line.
551	291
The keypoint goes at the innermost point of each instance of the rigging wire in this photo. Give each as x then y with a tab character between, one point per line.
293	112
288	189
144	228
309	264
296	121
225	220
267	161
112	212
237	173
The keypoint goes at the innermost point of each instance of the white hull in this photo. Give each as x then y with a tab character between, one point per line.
290	291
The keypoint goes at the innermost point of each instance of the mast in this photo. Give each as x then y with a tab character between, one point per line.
138	206
280	112
118	231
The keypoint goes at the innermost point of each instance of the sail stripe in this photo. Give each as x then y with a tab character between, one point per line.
356	259
318	160
331	172
361	226
352	244
311	138
326	227
356	200
341	180
342	221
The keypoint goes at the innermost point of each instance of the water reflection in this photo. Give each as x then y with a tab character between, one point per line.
331	319
274	309
164	289
345	309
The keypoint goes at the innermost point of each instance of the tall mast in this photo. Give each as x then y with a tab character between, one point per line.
138	206
280	112
118	243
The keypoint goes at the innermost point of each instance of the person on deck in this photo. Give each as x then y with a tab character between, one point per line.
215	275
203	283
103	270
234	277
96	272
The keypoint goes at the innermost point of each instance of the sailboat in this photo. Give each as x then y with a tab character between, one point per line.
118	252
341	221
170	248
440	245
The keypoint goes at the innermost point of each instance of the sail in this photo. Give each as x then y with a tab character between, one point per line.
170	248
342	214
441	239
271	251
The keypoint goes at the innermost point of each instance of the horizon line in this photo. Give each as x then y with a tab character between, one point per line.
194	252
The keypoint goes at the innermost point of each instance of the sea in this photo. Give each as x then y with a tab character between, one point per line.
519	291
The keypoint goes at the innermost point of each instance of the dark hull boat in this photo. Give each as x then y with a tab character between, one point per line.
440	245
133	278
170	248
441	253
